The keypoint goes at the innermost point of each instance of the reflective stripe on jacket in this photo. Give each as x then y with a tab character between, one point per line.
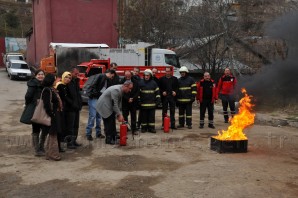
187	89
149	94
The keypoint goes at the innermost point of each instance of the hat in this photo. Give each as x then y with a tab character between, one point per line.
183	69
148	72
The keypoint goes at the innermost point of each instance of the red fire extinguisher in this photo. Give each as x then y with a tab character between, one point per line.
123	133
166	124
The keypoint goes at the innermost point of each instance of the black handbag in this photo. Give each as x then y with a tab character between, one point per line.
27	113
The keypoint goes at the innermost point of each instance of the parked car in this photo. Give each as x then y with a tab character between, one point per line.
18	69
12	56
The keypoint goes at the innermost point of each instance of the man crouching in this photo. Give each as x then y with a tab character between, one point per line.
108	106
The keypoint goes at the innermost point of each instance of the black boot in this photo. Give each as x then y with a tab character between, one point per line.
71	144
110	140
152	130
61	150
35	143
42	141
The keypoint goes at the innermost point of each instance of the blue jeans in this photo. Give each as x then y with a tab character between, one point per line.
93	116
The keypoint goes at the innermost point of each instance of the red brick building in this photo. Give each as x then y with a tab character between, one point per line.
70	21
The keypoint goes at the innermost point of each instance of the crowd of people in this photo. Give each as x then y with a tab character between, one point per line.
113	98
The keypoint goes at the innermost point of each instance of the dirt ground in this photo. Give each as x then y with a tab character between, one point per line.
178	164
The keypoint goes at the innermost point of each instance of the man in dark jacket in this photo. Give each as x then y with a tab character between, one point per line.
206	96
154	72
116	79
102	83
136	72
149	99
136	76
226	91
185	97
168	86
130	101
72	108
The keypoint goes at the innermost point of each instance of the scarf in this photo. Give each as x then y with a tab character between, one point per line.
62	79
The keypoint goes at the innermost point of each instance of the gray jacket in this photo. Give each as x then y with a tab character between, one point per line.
110	101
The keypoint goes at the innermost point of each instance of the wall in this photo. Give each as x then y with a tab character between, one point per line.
71	21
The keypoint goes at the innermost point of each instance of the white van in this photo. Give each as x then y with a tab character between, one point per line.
18	69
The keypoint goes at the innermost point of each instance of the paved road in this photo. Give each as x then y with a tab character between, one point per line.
10	90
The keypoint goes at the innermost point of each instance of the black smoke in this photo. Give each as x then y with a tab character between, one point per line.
276	85
71	57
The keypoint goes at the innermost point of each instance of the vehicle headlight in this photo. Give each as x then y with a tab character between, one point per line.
14	73
29	74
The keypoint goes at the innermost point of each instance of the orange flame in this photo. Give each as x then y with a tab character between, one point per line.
240	121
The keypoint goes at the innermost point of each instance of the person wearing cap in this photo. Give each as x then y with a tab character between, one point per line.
187	90
149	99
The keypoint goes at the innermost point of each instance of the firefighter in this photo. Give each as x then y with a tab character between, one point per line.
186	96
206	96
168	85
226	91
149	99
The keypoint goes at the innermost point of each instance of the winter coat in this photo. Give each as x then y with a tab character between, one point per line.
149	94
97	87
110	101
33	91
204	87
73	98
134	93
168	85
187	90
62	90
51	104
226	85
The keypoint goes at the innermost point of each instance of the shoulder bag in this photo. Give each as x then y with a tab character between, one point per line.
40	115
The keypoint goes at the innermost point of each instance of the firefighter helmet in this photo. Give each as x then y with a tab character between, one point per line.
148	71
183	69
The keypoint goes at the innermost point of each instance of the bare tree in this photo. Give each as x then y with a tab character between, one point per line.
209	33
150	21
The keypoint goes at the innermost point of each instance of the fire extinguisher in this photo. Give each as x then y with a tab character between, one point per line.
123	133
166	124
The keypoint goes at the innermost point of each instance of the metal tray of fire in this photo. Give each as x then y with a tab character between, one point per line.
228	146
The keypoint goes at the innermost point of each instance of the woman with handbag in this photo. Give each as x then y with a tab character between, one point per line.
61	88
32	94
51	106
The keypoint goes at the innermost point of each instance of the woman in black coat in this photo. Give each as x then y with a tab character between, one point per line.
51	105
32	94
60	116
